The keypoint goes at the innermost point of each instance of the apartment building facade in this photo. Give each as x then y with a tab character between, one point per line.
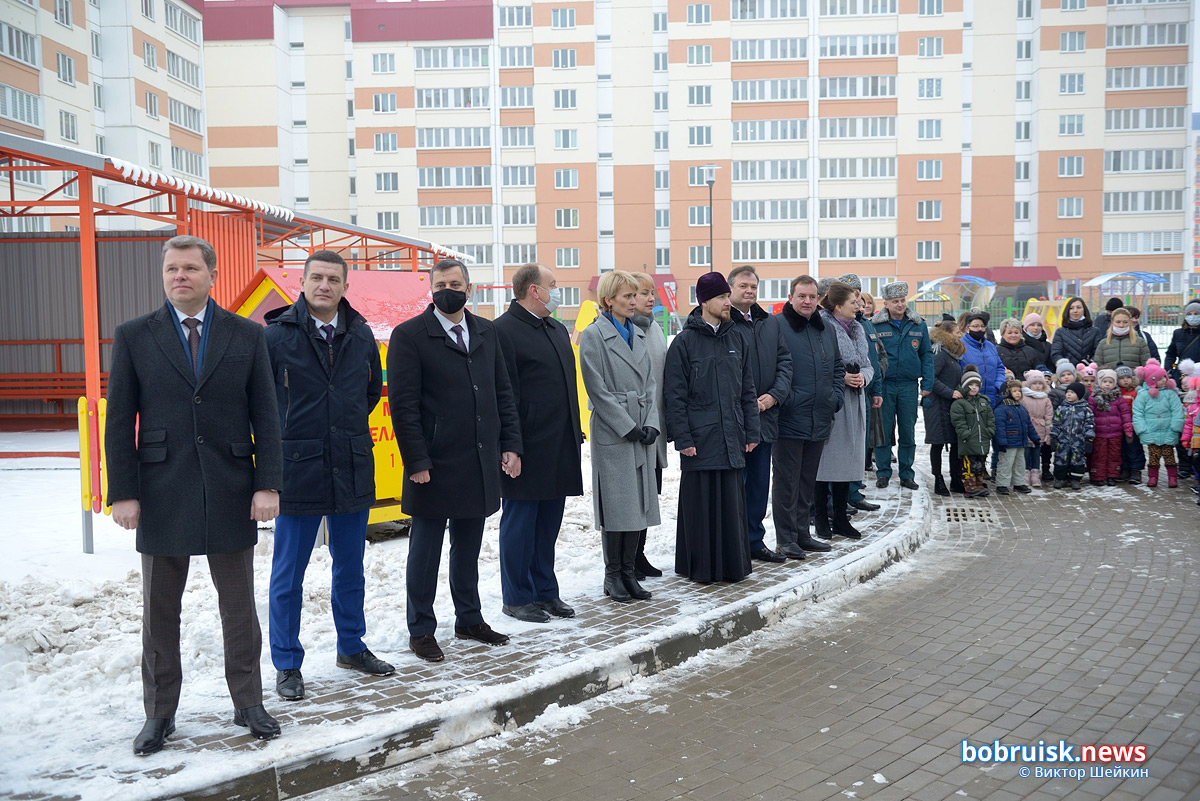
121	78
892	138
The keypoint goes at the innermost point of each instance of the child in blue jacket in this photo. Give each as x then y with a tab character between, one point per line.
1014	433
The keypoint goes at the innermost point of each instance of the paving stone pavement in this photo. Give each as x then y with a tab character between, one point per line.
1060	615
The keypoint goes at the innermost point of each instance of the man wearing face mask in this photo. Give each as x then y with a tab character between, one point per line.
541	365
456	427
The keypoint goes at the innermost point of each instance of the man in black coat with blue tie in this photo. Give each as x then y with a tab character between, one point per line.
194	463
456	428
541	365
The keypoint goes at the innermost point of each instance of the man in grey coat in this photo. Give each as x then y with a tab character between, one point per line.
194	463
771	364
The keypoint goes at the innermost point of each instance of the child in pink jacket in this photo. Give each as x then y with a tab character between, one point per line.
1036	401
1114	424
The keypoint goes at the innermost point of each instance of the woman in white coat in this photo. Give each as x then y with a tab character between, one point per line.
619	376
841	461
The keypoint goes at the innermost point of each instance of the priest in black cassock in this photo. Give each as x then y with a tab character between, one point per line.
712	417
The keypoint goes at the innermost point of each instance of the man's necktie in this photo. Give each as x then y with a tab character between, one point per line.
193	327
327	330
457	329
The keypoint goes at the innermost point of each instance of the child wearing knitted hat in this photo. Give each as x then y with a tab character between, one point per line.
1014	433
1064	375
1036	400
1071	436
1087	374
1114	425
974	425
1158	420
1133	456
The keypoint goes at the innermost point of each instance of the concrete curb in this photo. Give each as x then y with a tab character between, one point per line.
393	738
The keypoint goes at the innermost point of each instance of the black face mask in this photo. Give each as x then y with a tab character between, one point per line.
449	301
977	335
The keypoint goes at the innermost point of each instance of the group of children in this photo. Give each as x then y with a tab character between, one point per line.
1091	420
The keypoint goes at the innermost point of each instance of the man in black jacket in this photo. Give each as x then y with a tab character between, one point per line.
771	364
541	366
456	427
328	378
192	442
712	417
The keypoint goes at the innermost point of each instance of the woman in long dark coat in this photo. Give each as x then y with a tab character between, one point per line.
1077	337
939	431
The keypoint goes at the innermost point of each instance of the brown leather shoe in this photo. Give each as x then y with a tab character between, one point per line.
480	632
426	647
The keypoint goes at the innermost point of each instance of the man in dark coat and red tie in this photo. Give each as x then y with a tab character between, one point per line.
456	427
194	464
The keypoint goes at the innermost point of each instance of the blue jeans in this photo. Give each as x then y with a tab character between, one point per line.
899	415
295	537
757	481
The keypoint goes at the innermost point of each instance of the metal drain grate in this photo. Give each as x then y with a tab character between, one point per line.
970	514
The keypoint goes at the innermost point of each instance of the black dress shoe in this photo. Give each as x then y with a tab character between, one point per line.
367	662
152	736
530	613
767	555
256	719
809	544
908	483
792	551
882	482
289	684
426	647
480	632
556	607
865	506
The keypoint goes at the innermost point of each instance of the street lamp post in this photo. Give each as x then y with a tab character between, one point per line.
710	178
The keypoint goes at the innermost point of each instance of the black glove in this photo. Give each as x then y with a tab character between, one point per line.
1087	447
1052	443
1001	448
649	434
634	435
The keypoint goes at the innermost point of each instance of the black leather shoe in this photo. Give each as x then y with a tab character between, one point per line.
289	684
256	719
908	483
810	544
367	662
152	736
882	482
767	555
865	506
426	647
556	607
792	551
480	632
530	613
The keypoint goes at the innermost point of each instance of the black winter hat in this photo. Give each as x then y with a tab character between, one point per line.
1078	388
1113	304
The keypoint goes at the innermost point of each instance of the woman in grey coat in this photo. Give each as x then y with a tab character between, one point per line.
619	376
656	342
841	460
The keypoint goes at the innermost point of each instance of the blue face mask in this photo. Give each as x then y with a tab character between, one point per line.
1193	319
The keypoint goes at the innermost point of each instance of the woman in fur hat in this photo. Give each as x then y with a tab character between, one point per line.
939	431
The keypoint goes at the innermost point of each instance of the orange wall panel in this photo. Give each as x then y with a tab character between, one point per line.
633	216
1145	56
1146	98
516	116
454	158
769	111
243	136
857	66
454	197
519	77
244	177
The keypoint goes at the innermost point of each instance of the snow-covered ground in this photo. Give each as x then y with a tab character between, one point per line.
70	623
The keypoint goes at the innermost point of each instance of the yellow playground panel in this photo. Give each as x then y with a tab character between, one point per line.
1051	312
386	298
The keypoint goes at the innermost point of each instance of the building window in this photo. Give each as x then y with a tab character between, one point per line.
182	23
383	63
662	218
660	101
520	254
660	140
1070	207
1070	83
1070	166
1021	250
66	69
562	18
387	220
929	129
699	215
1021	211
699	95
699	256
95	43
1070	248
62	12
517	16
662	179
699	14
1072	42
699	55
929	8
929	250
150	55
566	139
520	215
1024	49
181	69
929	47
155	155
929	88
662	257
385	103
566	179
660	62
184	116
566	218
387	182
386	143
98	96
929	210
21	46
1075	5
148	9
1022	171
1024	9
566	257
511	57
152	105
699	135
564	98
1070	125
660	21
349	108
1024	90
929	170
1023	130
564	59
852	249
187	162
